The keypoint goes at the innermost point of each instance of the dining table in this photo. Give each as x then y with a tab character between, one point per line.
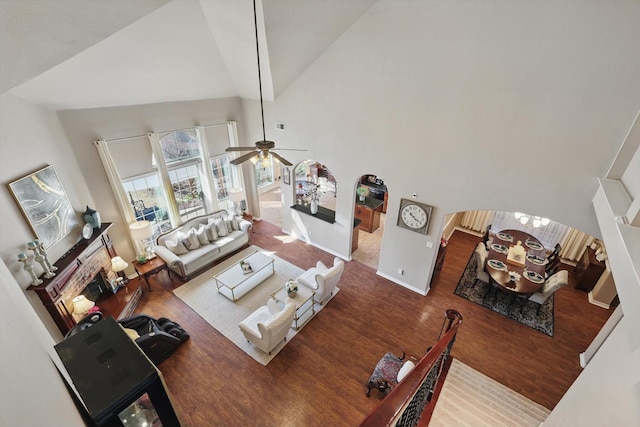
520	278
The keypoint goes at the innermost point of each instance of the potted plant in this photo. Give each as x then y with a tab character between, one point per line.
291	286
362	193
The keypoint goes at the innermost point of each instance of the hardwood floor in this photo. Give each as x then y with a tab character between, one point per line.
319	378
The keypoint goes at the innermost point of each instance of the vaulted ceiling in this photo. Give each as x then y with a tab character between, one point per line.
70	54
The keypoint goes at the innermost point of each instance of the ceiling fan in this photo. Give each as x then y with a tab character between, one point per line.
262	148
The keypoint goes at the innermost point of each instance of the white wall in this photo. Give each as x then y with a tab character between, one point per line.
30	138
607	392
508	106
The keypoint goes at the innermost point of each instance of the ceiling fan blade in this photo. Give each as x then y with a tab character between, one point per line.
289	149
228	149
282	159
244	158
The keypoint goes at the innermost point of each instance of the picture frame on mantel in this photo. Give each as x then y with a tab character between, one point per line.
45	205
286	176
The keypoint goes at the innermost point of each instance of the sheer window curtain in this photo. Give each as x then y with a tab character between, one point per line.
477	220
574	244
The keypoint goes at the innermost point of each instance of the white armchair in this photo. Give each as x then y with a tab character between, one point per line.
322	279
268	325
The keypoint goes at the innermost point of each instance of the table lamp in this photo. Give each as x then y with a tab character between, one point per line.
81	306
142	231
236	195
118	265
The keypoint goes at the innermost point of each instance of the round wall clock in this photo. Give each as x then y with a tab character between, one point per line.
414	216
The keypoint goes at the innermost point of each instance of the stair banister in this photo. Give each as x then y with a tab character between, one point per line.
409	399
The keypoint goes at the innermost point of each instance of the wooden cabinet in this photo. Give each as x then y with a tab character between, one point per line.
588	270
369	215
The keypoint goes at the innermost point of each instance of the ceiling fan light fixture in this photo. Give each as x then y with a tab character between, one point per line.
263	146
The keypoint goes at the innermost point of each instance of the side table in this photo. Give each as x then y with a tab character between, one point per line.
305	304
153	266
249	217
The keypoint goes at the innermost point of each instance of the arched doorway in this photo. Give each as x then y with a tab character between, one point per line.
370	208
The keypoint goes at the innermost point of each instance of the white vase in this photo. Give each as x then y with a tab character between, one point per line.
314	207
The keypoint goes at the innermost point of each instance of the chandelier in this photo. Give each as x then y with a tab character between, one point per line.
537	221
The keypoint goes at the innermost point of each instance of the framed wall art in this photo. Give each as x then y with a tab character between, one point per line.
286	176
45	205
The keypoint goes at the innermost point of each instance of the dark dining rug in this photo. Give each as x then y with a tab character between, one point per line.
505	304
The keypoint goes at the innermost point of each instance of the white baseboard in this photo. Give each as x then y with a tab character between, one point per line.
404	285
597	303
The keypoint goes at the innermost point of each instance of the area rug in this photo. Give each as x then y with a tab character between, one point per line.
542	321
224	315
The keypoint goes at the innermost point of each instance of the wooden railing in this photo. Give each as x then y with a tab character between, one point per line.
405	405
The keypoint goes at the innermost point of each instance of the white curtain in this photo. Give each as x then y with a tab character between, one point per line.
574	244
116	184
477	220
170	197
210	199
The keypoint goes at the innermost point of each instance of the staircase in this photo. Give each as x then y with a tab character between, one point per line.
470	398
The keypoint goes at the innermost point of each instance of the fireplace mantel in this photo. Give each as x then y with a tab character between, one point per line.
75	269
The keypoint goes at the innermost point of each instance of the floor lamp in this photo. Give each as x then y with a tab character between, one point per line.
237	196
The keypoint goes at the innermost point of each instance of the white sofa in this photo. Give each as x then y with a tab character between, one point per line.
185	258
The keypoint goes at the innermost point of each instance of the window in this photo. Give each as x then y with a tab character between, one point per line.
264	171
181	152
225	178
185	182
151	172
147	201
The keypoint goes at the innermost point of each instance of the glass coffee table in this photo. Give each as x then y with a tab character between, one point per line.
234	282
305	304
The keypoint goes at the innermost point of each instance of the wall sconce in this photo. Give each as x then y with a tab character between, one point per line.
118	265
143	231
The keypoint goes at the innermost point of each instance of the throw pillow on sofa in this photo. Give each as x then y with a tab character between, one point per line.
233	222
212	231
189	240
176	247
201	232
221	227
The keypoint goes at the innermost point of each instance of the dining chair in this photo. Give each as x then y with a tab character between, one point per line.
480	254
485	238
555	253
550	286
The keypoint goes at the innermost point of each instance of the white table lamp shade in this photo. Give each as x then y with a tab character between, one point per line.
236	195
81	304
141	230
118	264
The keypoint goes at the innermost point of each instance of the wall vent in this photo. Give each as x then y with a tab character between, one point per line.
280	126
